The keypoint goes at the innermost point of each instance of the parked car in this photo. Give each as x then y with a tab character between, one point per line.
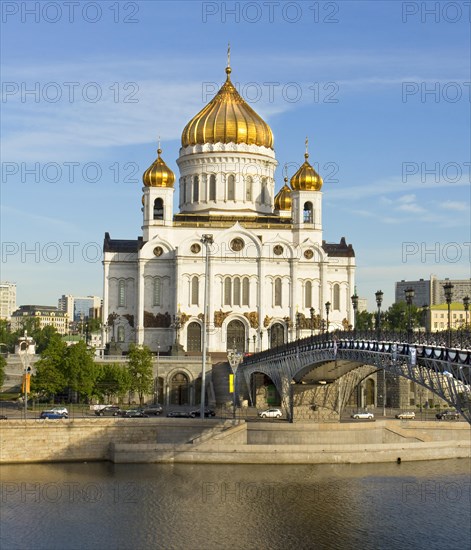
447	415
153	410
110	410
270	413
59	410
178	414
363	415
406	415
207	413
134	413
50	415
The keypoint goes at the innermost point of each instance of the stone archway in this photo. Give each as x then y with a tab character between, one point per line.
179	389
236	335
370	392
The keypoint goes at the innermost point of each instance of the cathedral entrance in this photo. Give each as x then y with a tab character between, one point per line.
179	390
236	335
277	335
193	339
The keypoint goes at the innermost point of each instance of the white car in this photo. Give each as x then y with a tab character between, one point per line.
59	410
406	415
364	415
270	413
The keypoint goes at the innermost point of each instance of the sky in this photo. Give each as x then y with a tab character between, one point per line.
381	89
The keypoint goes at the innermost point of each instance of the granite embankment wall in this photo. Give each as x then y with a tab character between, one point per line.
213	441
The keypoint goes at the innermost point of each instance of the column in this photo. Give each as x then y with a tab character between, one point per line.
140	302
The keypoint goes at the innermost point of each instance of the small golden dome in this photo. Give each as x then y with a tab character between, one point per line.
227	118
306	178
283	197
158	174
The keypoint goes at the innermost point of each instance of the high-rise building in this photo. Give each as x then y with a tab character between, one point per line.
430	291
269	269
78	307
7	300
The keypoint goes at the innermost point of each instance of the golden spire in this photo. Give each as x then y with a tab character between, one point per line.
158	174
306	178
227	118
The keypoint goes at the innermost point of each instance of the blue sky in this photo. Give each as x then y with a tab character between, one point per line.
381	89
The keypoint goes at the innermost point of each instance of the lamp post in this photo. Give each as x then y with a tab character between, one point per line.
327	310
410	293
379	301
157	373
466	309
448	288
354	299
248	345
254	337
207	240
235	358
298	324
261	339
177	325
311	311
23	352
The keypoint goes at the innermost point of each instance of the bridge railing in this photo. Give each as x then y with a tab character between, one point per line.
427	345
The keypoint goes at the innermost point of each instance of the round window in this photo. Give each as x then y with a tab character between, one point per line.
309	254
278	250
158	251
195	248
237	244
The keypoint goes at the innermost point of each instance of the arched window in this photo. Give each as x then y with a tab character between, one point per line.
231	188
196	189
236	288
236	335
277	335
120	334
157	292
212	187
264	192
278	292
183	190
193	340
245	291
122	293
194	290
248	188
308	294
227	291
336	294
307	213
179	390
158	209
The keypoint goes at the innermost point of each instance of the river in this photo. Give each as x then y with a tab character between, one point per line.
204	507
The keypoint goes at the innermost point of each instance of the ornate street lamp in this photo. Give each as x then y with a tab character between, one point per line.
207	240
448	288
354	299
311	311
327	310
379	301
235	358
298	325
254	337
261	339
410	293
466	309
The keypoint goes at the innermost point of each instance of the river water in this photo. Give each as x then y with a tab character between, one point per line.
203	507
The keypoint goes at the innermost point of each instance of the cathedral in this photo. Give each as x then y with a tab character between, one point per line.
251	263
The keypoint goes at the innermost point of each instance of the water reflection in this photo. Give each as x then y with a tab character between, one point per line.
101	506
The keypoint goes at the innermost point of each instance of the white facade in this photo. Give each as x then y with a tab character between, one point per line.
267	269
7	300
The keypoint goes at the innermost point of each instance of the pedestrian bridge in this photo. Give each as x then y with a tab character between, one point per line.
330	358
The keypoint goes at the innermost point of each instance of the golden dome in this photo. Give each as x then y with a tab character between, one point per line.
227	118
306	178
283	198
158	174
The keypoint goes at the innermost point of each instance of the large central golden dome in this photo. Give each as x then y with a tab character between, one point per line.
227	118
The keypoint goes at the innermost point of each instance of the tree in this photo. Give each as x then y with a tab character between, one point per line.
140	370
364	320
397	317
80	370
112	381
50	378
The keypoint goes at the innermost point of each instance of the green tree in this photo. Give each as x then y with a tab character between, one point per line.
43	336
140	370
364	320
397	317
112	381
50	378
80	370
